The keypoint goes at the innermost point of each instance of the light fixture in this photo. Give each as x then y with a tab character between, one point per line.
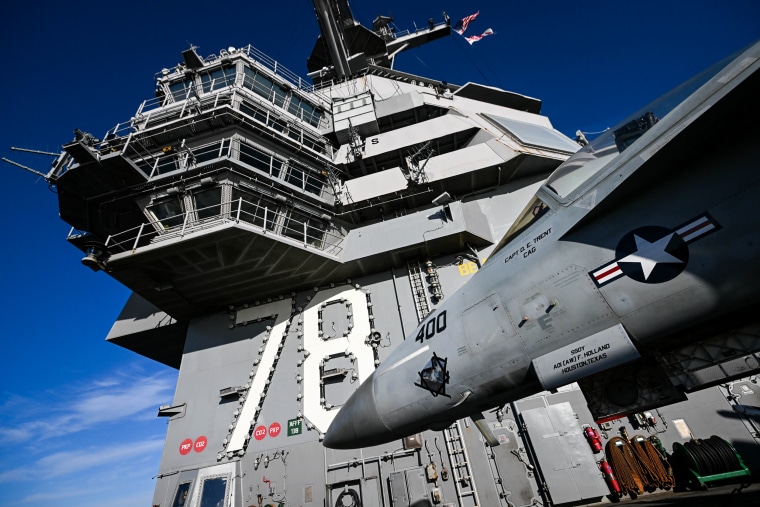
95	257
442	199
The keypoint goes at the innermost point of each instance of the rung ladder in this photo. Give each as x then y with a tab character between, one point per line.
418	289
460	464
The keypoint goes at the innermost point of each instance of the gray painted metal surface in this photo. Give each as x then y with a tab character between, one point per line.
568	463
281	241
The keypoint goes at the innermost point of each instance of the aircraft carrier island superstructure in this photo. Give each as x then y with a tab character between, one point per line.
282	237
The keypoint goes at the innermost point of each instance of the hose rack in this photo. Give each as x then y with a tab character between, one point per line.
710	460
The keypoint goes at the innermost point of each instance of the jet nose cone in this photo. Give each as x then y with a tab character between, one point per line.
358	424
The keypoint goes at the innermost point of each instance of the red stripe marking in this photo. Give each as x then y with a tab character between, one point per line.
695	228
608	272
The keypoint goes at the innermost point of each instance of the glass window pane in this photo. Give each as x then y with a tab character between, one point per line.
261	85
217	79
315	232
279	96
314	184
166	164
294	226
294	106
295	177
253	209
208	203
254	157
179	90
206	153
532	212
277	165
294	133
181	498
214	492
169	213
276	124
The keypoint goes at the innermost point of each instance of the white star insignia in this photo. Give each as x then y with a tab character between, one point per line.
650	254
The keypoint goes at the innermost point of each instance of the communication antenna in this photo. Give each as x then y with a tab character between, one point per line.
27	168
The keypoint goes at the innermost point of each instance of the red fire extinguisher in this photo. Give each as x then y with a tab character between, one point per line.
594	440
609	476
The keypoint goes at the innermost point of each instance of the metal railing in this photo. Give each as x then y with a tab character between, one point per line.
310	231
123	133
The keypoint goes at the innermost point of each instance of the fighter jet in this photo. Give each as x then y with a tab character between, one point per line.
633	271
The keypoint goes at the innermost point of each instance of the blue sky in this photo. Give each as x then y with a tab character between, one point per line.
77	415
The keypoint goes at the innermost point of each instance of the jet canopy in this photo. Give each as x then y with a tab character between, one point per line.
576	174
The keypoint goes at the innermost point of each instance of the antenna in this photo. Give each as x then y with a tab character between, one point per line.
27	168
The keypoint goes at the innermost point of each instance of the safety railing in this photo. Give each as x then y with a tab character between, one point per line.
310	231
264	60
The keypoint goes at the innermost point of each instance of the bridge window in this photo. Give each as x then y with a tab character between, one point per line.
168	213
208	203
303	110
304	228
210	151
254	209
216	79
180	90
264	86
305	180
260	160
166	164
213	492
181	498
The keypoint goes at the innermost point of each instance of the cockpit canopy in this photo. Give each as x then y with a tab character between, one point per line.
577	173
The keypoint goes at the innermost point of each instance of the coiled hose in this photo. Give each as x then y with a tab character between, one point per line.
712	456
626	467
657	474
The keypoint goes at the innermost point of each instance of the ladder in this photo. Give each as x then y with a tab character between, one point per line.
418	289
460	464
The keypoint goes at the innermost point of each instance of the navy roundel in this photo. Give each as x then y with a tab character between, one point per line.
652	254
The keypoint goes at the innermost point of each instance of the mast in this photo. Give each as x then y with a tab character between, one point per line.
346	48
329	16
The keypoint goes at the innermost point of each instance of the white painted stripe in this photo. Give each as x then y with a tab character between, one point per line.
612	270
693	224
700	232
618	272
706	224
280	310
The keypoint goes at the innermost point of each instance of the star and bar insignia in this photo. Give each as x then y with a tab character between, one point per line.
654	254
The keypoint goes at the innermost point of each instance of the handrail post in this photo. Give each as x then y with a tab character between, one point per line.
265	219
240	205
137	239
184	224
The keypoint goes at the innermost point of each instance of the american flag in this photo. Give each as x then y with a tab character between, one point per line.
476	38
463	23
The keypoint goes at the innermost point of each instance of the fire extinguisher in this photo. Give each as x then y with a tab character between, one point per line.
594	440
609	476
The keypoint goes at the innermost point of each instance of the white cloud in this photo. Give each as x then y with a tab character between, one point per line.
90	443
76	408
71	462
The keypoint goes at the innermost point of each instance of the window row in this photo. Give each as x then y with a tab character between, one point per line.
187	211
261	84
292	131
182	158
